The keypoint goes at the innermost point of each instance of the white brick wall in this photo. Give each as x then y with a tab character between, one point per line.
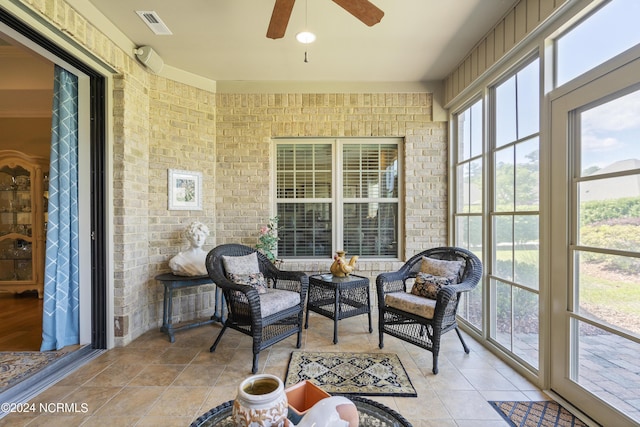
248	122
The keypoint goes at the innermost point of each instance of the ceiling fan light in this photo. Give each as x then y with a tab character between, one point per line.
305	37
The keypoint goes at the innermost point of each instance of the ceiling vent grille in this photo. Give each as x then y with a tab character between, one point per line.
154	22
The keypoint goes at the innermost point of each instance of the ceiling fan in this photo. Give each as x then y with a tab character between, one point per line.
364	10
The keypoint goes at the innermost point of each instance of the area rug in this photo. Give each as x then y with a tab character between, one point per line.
364	374
534	414
16	366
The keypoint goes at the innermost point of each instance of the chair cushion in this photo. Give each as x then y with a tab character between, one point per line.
441	267
420	306
246	264
276	300
256	280
427	285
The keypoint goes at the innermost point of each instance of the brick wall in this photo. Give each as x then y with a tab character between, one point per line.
248	122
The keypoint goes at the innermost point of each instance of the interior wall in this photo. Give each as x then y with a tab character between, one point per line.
28	135
26	97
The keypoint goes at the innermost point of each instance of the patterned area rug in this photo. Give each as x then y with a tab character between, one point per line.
15	366
364	374
534	414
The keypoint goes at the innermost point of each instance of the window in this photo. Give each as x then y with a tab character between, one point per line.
515	214
338	194
509	164
469	136
609	31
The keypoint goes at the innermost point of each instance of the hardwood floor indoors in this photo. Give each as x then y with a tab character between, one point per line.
20	322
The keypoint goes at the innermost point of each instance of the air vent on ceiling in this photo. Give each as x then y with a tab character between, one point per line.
154	22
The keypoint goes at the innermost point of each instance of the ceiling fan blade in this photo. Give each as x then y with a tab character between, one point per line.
364	10
280	18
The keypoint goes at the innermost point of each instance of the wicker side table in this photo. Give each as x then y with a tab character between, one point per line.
338	298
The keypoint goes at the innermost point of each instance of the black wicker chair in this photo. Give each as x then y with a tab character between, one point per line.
415	328
243	301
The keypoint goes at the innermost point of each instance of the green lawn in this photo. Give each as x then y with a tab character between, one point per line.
614	298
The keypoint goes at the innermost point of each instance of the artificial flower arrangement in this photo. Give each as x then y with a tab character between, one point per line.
268	239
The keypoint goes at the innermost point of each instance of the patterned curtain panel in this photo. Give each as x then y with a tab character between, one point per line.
60	324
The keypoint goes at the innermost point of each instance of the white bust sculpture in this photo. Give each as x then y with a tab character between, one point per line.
191	262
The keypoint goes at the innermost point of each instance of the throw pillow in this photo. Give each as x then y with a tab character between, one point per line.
246	264
440	267
428	285
256	280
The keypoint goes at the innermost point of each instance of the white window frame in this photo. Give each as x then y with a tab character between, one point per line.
337	195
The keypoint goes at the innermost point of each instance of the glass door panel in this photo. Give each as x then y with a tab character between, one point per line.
595	249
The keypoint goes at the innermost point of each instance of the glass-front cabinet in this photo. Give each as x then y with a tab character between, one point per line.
23	221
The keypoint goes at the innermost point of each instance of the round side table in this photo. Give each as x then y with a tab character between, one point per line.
371	414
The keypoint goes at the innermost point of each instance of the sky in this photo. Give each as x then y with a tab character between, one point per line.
611	131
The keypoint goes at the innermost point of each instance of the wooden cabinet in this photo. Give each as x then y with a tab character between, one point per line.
23	220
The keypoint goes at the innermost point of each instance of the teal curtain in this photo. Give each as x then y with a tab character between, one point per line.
60	320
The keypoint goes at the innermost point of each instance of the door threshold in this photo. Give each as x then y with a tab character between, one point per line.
30	387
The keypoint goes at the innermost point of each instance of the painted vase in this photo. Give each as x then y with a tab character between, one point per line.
260	402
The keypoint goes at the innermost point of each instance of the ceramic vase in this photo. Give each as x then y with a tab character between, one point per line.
260	402
334	411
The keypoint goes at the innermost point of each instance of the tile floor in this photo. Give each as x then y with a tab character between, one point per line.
152	382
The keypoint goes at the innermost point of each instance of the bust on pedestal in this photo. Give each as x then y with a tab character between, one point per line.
191	262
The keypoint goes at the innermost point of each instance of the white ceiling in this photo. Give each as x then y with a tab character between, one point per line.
225	40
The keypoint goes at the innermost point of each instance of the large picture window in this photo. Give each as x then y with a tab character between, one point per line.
338	194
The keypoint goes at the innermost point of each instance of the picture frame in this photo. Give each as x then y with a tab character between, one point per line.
185	190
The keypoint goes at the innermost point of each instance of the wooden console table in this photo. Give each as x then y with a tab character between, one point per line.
172	282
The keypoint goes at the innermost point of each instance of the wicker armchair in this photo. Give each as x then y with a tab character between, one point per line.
409	322
252	313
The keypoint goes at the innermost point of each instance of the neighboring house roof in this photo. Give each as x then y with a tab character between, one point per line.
613	188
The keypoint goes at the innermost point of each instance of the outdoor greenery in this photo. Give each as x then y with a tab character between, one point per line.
596	211
613	224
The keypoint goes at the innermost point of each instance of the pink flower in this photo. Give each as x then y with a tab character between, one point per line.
264	229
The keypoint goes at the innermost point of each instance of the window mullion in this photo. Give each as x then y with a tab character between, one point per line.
338	196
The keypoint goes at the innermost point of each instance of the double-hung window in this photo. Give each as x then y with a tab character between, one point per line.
338	194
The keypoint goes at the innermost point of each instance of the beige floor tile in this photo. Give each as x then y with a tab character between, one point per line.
179	401
467	405
111	421
427	406
86	372
487	379
154	382
199	376
59	420
93	398
178	355
157	375
131	401
164	421
116	375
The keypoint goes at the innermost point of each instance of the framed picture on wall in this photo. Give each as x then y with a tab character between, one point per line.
185	190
